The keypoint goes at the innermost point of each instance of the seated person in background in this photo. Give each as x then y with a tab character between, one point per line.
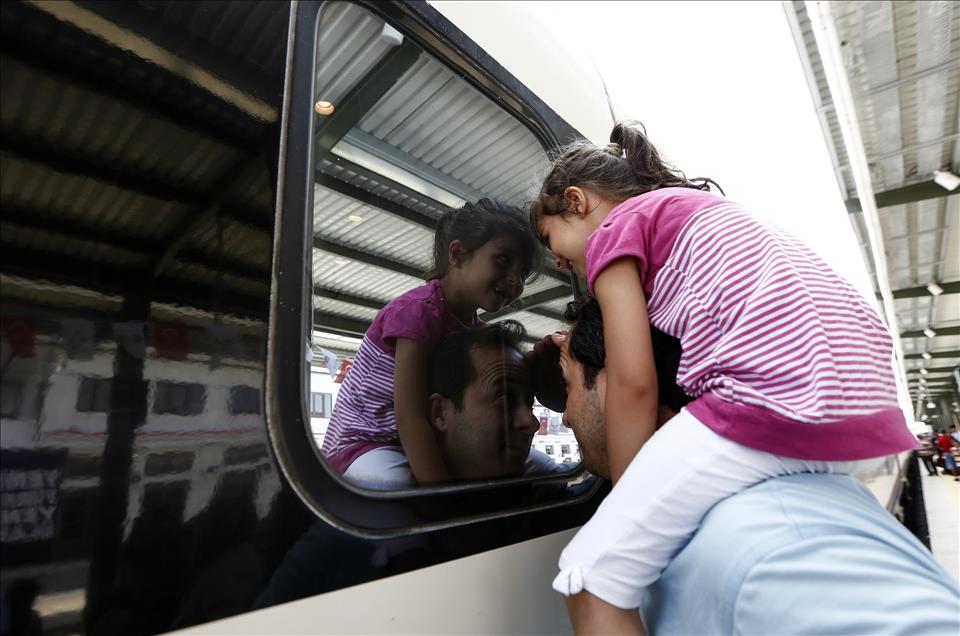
797	554
481	410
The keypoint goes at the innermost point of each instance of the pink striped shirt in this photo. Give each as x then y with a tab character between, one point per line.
780	352
363	416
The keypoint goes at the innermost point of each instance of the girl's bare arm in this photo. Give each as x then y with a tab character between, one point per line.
410	398
630	407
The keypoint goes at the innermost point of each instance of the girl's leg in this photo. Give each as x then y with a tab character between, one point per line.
678	475
384	468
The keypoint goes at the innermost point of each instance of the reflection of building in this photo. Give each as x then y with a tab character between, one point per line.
323	395
554	439
201	440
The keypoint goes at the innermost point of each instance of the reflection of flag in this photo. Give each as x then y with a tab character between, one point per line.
343	371
19	332
330	360
129	335
171	340
78	339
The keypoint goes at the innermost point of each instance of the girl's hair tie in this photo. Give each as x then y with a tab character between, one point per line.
615	149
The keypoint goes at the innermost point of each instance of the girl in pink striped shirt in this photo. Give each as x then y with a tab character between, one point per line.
789	367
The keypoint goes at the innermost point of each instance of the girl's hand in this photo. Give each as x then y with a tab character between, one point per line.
545	375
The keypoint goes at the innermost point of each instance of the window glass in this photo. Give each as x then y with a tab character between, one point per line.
11	396
168	463
244	454
244	400
94	395
178	398
402	142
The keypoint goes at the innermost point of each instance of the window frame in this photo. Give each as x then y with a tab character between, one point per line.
338	502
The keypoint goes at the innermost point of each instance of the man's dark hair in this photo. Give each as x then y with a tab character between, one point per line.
586	345
452	369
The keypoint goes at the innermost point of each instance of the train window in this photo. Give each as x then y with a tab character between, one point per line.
94	395
392	119
168	464
244	400
400	140
321	405
244	454
178	398
11	394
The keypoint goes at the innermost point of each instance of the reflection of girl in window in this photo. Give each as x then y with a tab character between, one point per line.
483	252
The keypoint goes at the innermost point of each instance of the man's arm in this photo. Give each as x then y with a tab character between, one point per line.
591	615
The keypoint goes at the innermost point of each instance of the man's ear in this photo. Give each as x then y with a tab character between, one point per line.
456	254
435	409
576	200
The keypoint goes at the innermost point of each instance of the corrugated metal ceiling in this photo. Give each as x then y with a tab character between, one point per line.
429	141
903	63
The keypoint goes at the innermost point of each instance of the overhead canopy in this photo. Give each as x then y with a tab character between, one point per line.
902	62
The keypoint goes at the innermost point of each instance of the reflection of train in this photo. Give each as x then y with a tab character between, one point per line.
159	165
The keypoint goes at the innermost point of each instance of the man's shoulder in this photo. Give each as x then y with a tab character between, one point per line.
821	540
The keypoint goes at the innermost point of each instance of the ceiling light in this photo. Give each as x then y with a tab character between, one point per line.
946	179
926	355
924	417
931	405
355	218
929	332
323	108
934	289
339	262
923	372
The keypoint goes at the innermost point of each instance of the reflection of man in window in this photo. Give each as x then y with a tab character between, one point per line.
481	407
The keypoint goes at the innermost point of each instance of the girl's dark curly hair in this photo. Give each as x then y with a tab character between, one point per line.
629	166
474	224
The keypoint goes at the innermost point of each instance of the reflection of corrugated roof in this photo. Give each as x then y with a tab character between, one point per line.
113	171
418	140
902	60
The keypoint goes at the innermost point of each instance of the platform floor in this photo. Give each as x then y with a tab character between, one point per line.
941	496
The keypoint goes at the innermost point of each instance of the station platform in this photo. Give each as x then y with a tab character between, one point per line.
941	496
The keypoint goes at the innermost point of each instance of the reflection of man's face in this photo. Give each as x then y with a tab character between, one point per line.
490	436
584	412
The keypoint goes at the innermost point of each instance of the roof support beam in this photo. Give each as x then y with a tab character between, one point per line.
933	354
941	331
906	194
922	292
240	175
375	201
363	96
369	259
222	77
933	370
